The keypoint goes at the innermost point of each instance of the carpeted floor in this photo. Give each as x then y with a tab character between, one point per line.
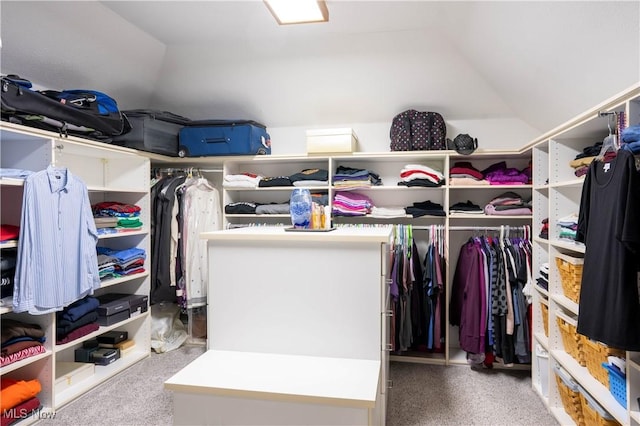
421	395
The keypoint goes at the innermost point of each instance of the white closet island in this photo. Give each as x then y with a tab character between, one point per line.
297	330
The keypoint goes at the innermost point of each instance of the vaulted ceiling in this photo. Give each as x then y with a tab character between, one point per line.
537	62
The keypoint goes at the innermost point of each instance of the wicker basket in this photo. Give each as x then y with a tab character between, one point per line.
595	415
595	354
571	340
570	270
544	312
570	396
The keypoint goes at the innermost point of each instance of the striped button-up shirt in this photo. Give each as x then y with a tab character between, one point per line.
57	261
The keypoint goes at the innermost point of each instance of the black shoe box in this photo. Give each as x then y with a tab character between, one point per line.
111	305
84	354
112	337
137	303
108	320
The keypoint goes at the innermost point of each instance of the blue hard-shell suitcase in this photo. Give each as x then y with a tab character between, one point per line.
224	137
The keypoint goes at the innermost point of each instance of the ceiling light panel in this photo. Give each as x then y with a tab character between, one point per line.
298	11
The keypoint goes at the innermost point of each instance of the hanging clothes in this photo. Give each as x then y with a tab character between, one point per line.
488	301
417	291
433	289
401	289
164	240
182	207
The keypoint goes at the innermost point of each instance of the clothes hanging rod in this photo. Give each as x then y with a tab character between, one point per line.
471	228
425	228
187	169
487	228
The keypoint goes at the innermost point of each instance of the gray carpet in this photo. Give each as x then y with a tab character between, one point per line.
421	395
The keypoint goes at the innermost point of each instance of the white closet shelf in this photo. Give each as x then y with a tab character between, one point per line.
93	188
123	234
542	291
426	358
120	280
568	184
565	302
9	244
635	415
459	357
569	245
489	216
11	182
561	416
507	187
279	188
407	216
102	373
388	188
592	385
23	362
5	309
540	240
263	216
542	339
538	389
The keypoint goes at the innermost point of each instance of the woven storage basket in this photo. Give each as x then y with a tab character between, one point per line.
569	393
570	270
594	414
595	354
544	312
571	340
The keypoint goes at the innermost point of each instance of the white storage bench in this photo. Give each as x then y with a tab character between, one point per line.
252	388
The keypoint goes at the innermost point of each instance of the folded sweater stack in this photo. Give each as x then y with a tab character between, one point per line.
420	175
508	204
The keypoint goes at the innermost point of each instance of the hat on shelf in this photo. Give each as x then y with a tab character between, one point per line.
463	144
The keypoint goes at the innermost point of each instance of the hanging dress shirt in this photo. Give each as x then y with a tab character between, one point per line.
203	213
57	262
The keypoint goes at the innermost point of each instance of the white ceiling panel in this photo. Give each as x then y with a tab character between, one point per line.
539	62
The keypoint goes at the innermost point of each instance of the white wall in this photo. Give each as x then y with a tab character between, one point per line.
374	137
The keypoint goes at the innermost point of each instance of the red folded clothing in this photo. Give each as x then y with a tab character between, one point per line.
20	411
9	232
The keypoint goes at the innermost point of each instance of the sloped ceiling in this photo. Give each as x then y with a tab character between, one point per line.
538	62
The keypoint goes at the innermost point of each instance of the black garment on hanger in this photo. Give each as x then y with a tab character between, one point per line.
161	289
609	225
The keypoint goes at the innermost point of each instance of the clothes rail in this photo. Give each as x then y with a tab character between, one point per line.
488	228
185	170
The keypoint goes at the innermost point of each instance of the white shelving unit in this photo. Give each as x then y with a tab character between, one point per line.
556	194
111	174
388	166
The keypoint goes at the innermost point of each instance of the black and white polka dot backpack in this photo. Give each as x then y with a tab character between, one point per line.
413	130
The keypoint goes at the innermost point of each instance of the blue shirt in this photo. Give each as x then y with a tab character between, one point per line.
57	262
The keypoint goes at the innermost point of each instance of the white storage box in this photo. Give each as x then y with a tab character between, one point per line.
542	357
323	141
71	373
